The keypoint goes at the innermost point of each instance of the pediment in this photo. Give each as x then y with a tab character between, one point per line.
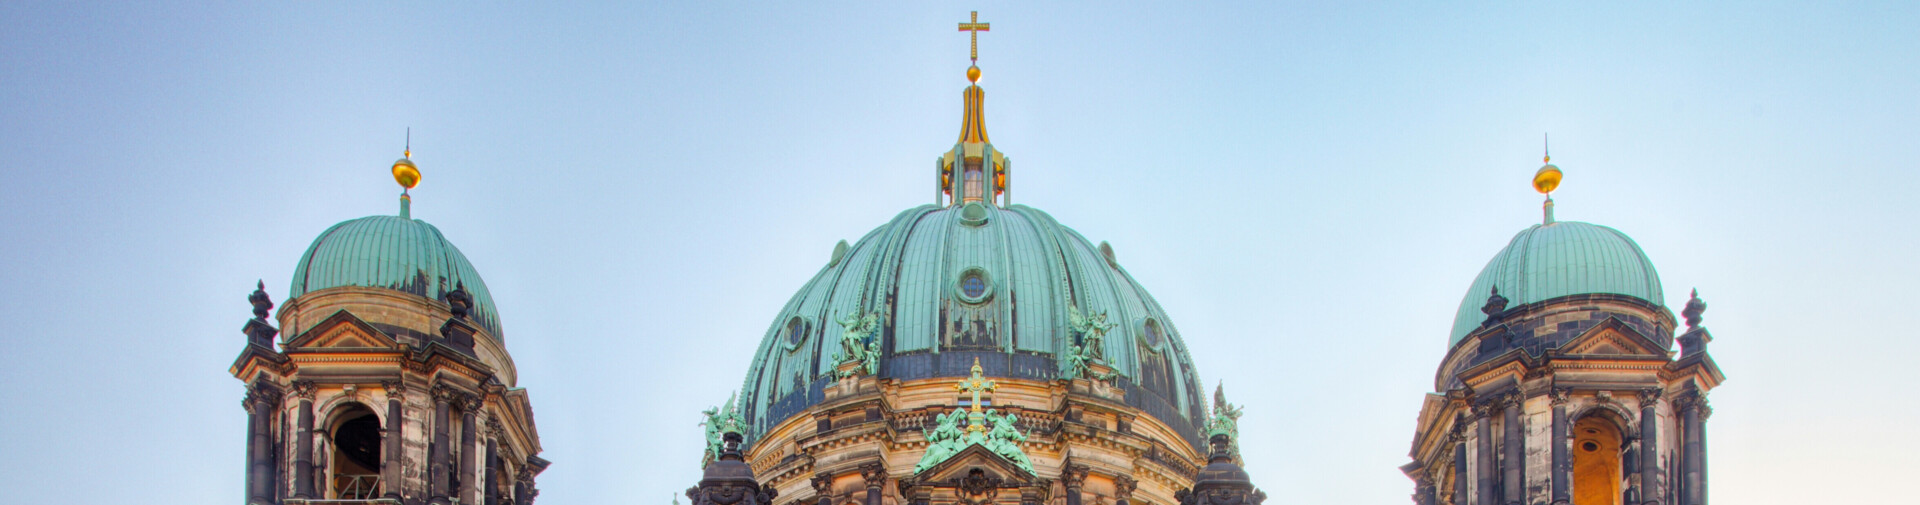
958	470
1612	338
343	330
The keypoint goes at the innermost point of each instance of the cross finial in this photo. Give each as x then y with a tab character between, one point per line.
976	384
976	27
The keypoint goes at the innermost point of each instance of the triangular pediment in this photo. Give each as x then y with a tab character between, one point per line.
343	330
1612	338
959	467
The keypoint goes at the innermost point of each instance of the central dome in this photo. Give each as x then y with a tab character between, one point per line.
954	283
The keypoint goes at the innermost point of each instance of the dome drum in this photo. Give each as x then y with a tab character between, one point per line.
1538	327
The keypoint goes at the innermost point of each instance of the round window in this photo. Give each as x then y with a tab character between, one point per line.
1151	333
973	286
1590	446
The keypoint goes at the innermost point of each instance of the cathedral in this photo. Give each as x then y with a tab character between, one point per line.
969	351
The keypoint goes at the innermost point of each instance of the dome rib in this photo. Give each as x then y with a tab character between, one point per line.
1037	269
390	252
1559	259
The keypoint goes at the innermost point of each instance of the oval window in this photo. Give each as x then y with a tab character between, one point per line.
1151	333
796	331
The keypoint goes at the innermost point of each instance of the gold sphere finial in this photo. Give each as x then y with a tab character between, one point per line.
1547	179
403	170
405	173
973	73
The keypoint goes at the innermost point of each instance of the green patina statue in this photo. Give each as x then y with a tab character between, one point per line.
859	342
1078	363
720	421
1226	418
948	439
1091	327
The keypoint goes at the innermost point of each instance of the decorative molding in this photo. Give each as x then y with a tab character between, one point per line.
1560	395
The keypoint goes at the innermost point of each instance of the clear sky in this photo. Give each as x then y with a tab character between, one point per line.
1308	192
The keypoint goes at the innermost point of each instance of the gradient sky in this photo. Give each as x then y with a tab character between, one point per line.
1308	192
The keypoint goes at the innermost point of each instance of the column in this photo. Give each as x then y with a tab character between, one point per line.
1562	455
523	486
495	431
260	476
1483	451
1459	441
390	440
303	441
1695	460
437	493
876	476
1123	487
1072	477
1423	493
469	448
1512	444
822	489
1649	446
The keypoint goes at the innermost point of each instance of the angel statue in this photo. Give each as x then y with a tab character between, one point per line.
1004	439
853	340
1091	327
1226	417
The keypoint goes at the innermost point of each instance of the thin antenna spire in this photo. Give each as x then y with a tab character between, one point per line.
409	151
1546	149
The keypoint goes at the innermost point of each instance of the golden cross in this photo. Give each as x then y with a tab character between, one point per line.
976	27
976	385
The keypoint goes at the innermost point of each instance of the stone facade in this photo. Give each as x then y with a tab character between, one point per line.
1086	446
1573	400
382	396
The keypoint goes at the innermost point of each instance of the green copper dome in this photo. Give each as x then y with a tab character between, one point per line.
951	284
1558	259
397	253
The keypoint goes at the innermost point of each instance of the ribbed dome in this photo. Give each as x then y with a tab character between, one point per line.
395	253
1558	259
972	281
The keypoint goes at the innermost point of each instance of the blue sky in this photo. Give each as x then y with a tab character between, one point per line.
1306	189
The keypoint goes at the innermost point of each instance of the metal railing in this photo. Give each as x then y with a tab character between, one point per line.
356	487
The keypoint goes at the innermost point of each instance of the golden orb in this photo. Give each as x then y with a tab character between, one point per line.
1546	179
973	73
405	173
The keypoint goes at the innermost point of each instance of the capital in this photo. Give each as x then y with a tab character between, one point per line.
303	389
1561	396
443	394
1650	395
471	402
874	473
1123	486
1073	475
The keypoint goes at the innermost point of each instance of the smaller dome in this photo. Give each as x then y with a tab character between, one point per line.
396	253
1558	259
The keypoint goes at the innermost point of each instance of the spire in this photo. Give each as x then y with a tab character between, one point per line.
1546	180
973	128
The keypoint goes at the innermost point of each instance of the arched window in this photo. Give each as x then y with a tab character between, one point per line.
355	462
1597	445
